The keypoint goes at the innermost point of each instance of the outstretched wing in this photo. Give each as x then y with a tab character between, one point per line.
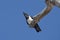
43	13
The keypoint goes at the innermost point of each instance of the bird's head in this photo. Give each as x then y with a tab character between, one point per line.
26	15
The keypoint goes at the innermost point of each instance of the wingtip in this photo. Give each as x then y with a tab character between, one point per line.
39	30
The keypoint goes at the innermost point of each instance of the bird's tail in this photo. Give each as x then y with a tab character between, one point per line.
37	28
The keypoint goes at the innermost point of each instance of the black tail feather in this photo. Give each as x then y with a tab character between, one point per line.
37	28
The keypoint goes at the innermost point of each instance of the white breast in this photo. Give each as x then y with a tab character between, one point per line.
29	20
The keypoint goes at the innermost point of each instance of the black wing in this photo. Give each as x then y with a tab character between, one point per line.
37	28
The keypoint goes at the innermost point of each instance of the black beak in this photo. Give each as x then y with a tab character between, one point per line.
26	15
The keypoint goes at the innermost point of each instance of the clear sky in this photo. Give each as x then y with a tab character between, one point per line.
13	25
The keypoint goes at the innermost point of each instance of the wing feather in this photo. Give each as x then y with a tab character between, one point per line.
44	12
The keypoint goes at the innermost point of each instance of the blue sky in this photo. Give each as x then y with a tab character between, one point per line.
13	25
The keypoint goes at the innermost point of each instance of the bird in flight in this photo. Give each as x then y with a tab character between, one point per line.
33	21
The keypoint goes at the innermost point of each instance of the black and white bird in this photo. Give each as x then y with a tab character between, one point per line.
33	21
30	20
